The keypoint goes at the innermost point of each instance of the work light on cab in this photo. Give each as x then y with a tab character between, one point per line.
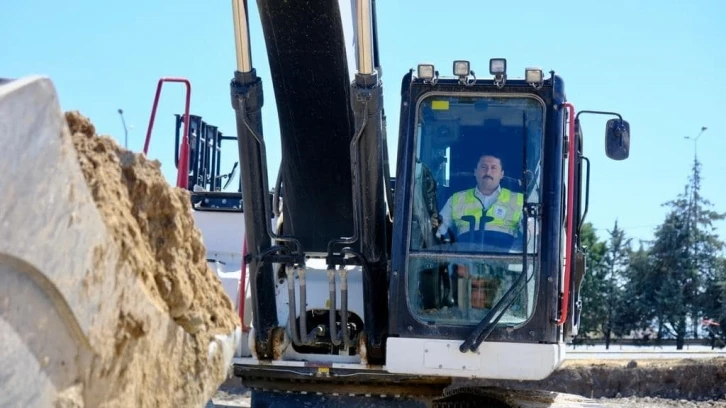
426	72
534	77
461	68
498	67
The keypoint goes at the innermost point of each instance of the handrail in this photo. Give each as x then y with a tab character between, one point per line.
182	175
570	213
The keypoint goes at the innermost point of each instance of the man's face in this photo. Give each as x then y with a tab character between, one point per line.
488	173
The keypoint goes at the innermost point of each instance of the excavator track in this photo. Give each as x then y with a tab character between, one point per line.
323	387
358	395
267	393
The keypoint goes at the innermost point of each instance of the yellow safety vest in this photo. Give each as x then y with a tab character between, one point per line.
506	211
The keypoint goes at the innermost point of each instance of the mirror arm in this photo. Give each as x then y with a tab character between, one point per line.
598	113
619	133
577	119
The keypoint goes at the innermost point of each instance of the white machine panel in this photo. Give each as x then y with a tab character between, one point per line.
492	360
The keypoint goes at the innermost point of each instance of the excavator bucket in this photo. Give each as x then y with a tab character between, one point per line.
79	325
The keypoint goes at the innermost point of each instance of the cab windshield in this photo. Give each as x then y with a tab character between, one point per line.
472	228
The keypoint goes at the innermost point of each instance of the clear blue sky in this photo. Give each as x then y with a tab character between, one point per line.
659	63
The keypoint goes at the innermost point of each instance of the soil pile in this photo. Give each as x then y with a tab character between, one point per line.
158	358
688	379
153	226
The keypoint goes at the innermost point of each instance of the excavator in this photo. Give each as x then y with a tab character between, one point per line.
358	288
357	292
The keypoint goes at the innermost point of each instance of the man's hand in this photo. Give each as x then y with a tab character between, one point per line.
435	221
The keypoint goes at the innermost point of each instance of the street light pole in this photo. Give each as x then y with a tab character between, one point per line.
126	132
695	142
696	176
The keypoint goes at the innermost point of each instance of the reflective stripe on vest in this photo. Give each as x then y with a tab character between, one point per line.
506	211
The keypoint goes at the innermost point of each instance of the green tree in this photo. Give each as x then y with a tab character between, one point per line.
638	307
678	283
672	293
615	263
704	250
720	310
593	294
715	305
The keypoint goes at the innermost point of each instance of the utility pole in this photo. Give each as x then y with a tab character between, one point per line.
126	132
694	218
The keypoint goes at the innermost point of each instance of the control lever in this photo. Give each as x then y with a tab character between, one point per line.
472	222
475	235
484	219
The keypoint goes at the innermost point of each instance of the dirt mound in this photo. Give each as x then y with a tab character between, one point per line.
683	379
153	226
153	231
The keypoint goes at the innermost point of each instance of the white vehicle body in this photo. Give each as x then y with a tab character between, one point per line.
223	235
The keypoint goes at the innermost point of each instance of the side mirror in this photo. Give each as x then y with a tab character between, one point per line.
617	139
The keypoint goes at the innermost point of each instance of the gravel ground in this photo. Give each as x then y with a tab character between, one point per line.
671	380
230	400
240	398
231	395
648	402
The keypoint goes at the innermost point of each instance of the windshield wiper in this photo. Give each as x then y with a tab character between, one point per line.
487	325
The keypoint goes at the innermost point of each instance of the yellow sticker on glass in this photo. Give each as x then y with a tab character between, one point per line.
440	105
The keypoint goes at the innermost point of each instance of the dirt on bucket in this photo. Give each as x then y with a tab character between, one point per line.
153	232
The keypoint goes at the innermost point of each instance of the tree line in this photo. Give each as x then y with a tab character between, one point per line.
672	287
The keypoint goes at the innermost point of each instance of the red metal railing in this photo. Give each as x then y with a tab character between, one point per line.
570	212
182	174
242	279
182	179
